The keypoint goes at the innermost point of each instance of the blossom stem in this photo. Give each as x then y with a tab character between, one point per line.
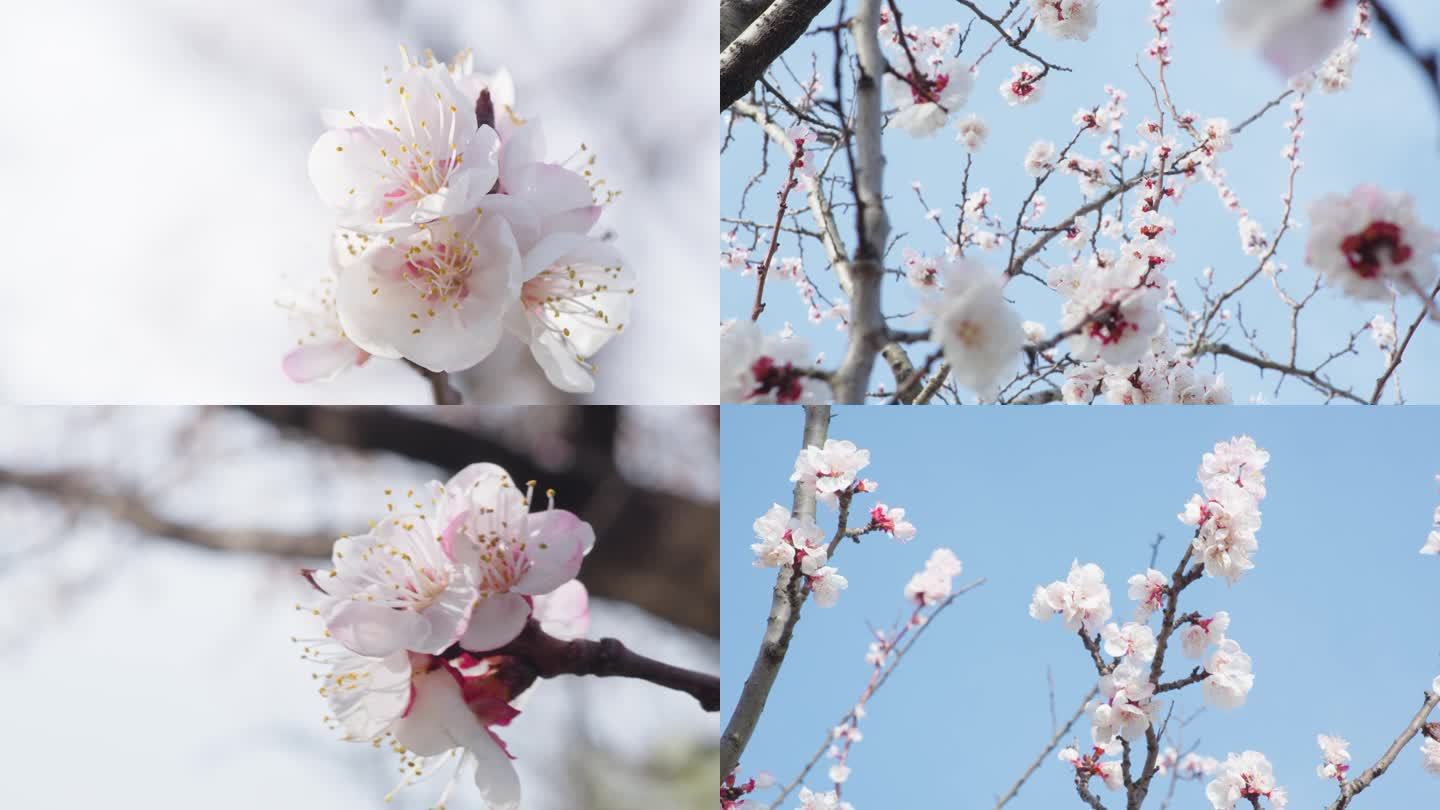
440	387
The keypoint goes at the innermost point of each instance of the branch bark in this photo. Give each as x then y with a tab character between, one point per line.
1352	788
785	603
746	59
867	322
549	657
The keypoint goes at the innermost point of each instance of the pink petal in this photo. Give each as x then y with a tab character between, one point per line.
557	543
370	629
495	622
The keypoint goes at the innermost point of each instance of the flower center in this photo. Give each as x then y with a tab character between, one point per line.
440	273
784	380
1363	250
924	89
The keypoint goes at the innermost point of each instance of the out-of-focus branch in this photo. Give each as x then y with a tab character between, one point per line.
602	658
785	603
1428	61
746	59
1349	790
76	491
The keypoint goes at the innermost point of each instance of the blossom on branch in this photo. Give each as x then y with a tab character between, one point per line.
1243	777
1230	678
976	328
831	469
933	583
1066	19
1334	756
760	368
1082	600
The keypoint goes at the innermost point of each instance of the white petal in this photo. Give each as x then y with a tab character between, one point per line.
448	617
318	362
495	622
494	774
371	629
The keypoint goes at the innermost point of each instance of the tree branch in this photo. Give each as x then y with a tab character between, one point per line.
1352	788
602	658
745	60
785	603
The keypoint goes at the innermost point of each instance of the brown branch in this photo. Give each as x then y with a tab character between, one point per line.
1054	742
746	59
549	657
1349	790
1399	352
1310	376
440	387
786	600
75	490
763	271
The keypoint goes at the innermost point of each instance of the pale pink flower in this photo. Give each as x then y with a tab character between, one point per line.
1082	600
933	584
830	469
1127	708
436	294
1371	243
1023	87
826	583
760	368
1335	757
1133	640
976	327
1243	777
925	99
1201	633
517	554
972	131
1066	19
1230	678
1430	755
891	520
1150	590
423	155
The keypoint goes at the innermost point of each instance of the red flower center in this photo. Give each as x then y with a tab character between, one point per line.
784	380
1363	250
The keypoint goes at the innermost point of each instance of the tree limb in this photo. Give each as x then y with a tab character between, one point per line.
785	603
549	657
745	60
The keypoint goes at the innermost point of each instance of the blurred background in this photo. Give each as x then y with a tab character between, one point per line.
149	564
161	147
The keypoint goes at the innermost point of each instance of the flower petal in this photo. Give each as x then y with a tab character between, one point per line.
565	611
556	544
494	773
370	629
497	619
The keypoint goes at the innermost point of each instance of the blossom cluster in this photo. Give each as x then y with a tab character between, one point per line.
831	471
1226	515
417	614
1126	708
453	227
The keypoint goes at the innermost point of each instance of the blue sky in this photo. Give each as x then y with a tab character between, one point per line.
1338	614
1383	130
